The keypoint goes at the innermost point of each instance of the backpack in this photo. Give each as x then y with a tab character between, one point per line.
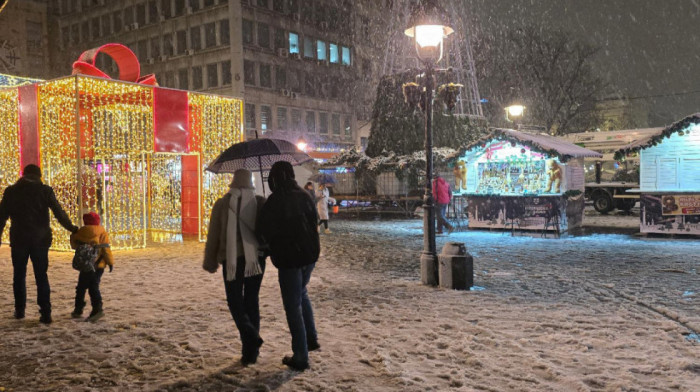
86	257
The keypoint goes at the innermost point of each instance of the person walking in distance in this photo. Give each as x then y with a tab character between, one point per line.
232	241
27	203
287	225
443	195
322	200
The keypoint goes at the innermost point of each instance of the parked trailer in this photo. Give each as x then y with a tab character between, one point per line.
600	187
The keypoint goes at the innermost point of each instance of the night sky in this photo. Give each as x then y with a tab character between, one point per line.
648	47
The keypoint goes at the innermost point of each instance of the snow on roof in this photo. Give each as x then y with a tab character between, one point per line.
540	142
656	137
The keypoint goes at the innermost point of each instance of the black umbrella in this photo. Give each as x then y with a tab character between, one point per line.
257	154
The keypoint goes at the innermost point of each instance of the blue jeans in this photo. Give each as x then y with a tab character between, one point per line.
40	263
441	220
242	298
297	306
90	282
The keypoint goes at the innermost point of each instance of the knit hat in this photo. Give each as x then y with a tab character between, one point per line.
91	218
32	170
242	179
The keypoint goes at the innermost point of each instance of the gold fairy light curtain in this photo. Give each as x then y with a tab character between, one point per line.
165	197
219	121
9	147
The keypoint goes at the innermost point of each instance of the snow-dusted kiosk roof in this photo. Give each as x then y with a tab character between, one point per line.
657	137
539	142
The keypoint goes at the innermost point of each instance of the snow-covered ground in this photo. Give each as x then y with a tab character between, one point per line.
594	312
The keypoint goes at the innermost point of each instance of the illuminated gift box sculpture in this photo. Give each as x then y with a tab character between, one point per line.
669	178
132	152
520	180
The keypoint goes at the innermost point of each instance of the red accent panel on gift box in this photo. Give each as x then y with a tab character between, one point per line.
190	194
28	126
170	120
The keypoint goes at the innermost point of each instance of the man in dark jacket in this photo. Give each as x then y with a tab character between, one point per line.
27	203
287	224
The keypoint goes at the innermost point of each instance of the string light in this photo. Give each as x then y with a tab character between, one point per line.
9	148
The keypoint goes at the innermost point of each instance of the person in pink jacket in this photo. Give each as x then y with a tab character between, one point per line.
442	195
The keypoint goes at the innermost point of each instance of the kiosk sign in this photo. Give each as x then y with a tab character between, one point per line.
680	204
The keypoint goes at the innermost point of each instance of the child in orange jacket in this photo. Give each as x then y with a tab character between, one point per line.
92	233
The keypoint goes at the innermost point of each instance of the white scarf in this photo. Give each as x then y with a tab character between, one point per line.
246	222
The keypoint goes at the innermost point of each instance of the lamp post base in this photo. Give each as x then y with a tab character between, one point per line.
429	269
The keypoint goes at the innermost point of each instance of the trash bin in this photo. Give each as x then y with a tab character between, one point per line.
456	267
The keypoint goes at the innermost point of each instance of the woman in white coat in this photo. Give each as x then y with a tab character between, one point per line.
231	242
322	200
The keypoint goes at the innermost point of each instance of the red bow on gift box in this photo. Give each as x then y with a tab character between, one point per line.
127	62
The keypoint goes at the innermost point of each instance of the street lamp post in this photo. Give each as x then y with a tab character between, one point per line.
428	31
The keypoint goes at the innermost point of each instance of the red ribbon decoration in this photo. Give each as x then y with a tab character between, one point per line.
127	62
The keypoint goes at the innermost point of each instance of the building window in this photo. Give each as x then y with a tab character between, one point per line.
346	55
296	119
265	76
74	34
323	123
142	49
280	39
247	32
65	36
106	25
152	11
212	75
168	79
346	126
334	55
262	3
84	31
224	37
293	43
96	29
155	47
265	118
166	8
263	35
168	49
335	124
129	16
196	78
309	49
249	72
179	7
141	14
278	6
194	5
280	77
181	42
208	3
195	38
282	118
310	122
182	81
117	21
249	116
321	50
226	73
210	35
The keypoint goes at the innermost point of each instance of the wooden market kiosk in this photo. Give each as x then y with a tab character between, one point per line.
669	180
526	181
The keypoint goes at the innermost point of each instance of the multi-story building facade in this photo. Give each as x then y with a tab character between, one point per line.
24	39
293	61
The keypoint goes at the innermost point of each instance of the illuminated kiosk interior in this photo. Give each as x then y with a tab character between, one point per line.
523	181
669	178
132	152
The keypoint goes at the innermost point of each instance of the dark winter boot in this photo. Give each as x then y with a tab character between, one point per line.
95	315
312	345
78	311
45	318
19	314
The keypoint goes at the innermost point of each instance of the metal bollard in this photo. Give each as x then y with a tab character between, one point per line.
456	267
